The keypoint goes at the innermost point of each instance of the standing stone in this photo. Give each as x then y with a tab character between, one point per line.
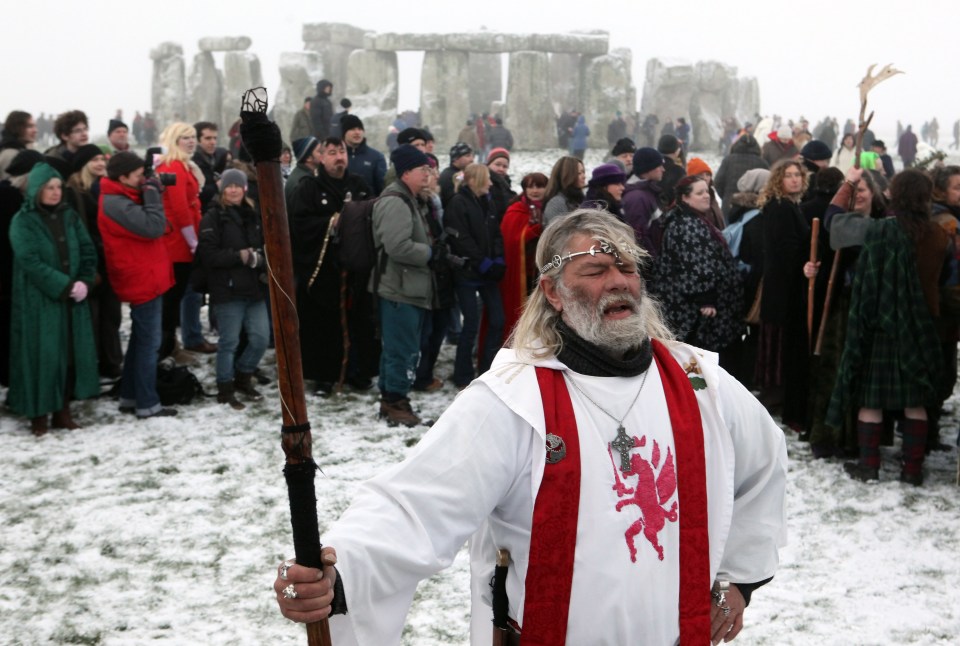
206	90
241	71
486	81
444	98
529	112
299	73
334	42
224	43
668	90
373	87
748	99
565	81
606	84
169	85
714	100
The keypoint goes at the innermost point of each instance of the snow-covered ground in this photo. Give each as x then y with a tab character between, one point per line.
168	531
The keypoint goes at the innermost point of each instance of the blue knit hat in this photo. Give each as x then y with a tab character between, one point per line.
406	158
302	148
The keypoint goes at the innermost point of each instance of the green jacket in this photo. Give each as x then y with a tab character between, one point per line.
43	314
402	236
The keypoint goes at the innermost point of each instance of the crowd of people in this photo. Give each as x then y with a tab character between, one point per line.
727	255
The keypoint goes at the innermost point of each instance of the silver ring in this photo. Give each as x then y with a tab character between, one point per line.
290	592
284	567
726	609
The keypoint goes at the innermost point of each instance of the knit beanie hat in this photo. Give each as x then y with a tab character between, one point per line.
624	145
303	148
406	158
784	134
815	150
753	180
349	122
697	166
114	124
62	166
122	164
458	150
645	160
497	153
233	177
84	154
668	144
606	174
23	162
408	135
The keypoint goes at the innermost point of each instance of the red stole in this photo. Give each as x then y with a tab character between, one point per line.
553	536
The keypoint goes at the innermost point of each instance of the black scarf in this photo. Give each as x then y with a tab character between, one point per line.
589	359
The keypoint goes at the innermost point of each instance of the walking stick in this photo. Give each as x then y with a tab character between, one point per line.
812	281
868	82
261	137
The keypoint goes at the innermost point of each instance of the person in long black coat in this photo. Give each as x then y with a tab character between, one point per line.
744	155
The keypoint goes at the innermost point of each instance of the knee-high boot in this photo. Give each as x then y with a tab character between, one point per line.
914	448
868	439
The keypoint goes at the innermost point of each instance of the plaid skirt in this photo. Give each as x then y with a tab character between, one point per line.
886	384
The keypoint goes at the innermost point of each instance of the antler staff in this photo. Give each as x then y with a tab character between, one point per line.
262	139
869	81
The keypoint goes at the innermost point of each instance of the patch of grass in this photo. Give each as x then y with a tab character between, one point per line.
220	470
168	470
107	549
94	460
145	484
70	635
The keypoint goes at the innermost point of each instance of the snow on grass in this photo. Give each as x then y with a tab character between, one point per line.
168	531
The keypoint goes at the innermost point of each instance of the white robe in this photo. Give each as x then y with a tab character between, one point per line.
477	472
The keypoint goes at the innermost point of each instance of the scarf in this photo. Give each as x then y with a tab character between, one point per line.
590	359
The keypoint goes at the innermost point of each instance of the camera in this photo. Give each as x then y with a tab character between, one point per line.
166	179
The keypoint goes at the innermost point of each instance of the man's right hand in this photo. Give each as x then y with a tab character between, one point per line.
154	183
313	589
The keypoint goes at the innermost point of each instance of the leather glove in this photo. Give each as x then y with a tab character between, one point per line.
154	183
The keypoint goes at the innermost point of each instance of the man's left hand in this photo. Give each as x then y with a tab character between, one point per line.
727	627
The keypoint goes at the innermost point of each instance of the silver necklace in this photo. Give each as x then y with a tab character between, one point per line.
622	443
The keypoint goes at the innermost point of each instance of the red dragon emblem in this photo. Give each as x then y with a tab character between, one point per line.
651	493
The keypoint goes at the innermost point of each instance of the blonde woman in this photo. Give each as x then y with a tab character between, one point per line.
477	239
782	355
181	204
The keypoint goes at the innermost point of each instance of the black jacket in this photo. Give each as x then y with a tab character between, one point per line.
224	231
475	232
501	194
211	168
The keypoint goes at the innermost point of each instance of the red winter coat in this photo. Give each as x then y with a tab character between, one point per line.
132	227
181	203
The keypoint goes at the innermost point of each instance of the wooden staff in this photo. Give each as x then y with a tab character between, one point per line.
869	81
812	281
262	139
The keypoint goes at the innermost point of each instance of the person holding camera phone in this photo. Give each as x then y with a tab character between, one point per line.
230	251
181	203
132	225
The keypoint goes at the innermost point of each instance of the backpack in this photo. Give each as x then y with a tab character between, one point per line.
733	234
354	234
177	385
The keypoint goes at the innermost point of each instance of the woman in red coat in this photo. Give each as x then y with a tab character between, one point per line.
181	204
521	227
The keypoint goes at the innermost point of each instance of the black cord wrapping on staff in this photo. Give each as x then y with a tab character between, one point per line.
303	512
500	602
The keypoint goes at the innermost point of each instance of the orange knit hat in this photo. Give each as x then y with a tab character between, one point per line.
697	166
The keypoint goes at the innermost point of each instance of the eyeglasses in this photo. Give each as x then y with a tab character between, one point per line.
604	248
78	130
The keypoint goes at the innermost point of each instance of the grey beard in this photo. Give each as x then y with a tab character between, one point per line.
615	337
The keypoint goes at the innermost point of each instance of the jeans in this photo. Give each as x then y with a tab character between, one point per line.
434	329
138	386
401	325
191	331
252	317
467	297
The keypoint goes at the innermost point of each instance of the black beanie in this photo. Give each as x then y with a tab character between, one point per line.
350	121
123	163
114	124
58	164
668	144
410	134
23	162
406	158
624	145
816	150
84	154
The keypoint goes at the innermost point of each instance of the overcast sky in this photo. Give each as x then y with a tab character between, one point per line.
808	57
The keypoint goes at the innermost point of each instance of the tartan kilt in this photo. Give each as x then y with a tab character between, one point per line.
888	384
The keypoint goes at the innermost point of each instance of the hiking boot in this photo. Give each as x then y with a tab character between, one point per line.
163	412
225	395
432	387
38	425
915	479
860	472
202	348
398	412
63	419
243	383
261	378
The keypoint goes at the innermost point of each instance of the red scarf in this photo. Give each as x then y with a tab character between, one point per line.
553	535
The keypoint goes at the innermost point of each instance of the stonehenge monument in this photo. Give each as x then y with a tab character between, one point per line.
461	75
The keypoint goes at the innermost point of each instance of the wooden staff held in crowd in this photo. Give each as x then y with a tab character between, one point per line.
262	139
812	281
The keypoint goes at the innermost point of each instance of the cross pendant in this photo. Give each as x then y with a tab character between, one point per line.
622	444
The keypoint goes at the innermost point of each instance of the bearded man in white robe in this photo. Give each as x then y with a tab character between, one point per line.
679	475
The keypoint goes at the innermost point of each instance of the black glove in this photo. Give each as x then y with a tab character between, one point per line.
439	254
153	182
